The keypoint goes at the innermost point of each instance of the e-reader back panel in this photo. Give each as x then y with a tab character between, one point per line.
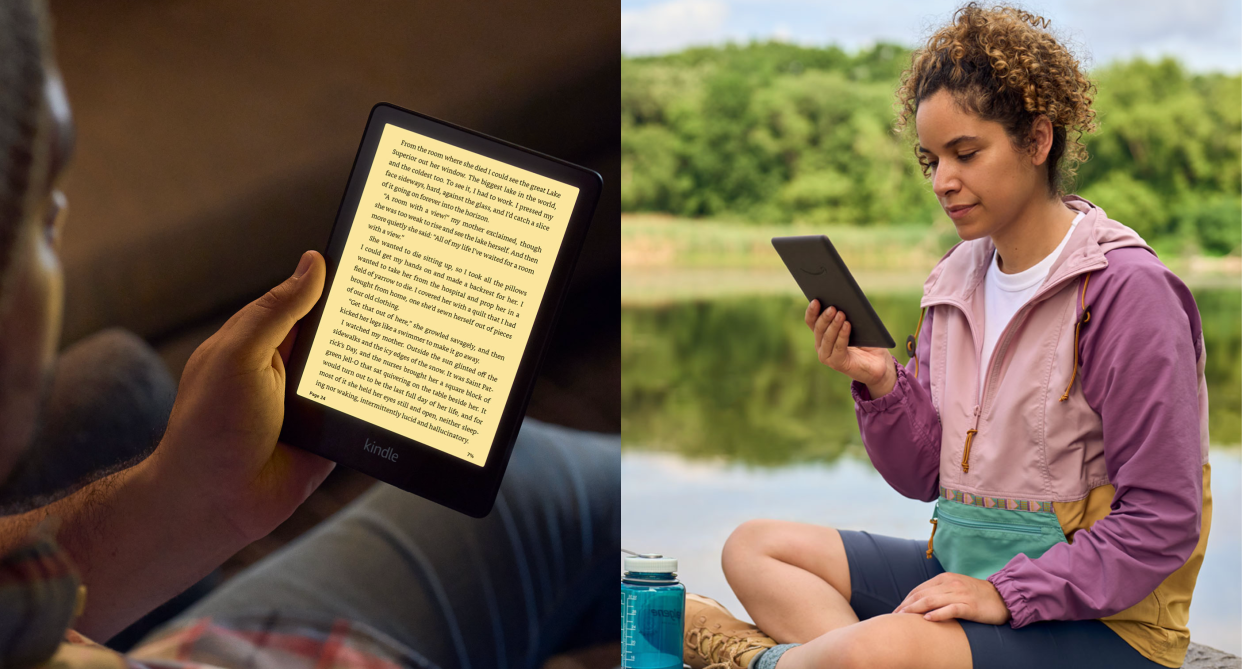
821	274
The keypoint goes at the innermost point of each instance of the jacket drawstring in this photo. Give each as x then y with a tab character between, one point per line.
970	434
912	342
1086	316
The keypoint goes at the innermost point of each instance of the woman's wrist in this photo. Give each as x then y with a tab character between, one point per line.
885	384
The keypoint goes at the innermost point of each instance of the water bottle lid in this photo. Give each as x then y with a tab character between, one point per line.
650	563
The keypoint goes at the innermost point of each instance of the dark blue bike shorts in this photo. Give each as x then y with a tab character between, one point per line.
883	570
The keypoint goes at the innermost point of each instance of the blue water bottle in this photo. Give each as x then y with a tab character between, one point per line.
653	608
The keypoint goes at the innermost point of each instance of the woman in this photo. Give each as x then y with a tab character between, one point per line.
1054	408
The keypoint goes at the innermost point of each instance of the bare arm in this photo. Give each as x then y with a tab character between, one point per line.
136	541
218	480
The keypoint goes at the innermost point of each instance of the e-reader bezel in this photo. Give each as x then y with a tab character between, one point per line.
422	469
822	274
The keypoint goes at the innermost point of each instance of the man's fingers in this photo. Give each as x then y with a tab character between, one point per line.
306	470
286	346
263	325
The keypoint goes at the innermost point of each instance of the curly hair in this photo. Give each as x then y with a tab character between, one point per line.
1000	64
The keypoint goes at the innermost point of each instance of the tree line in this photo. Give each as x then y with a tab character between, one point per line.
780	133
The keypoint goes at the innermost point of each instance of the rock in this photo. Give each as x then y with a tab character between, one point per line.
1199	656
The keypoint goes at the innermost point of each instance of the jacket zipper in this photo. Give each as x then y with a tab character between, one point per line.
979	524
1007	335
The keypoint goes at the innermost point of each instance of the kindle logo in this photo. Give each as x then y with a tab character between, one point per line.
387	453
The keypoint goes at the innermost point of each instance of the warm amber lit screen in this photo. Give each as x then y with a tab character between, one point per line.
436	292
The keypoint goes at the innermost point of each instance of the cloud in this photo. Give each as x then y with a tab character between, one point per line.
1150	20
1202	34
672	25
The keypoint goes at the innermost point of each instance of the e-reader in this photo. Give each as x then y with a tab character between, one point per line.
450	256
822	275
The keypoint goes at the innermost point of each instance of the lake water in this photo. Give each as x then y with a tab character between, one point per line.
686	509
727	415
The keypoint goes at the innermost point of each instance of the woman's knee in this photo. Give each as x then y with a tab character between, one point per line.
742	546
901	640
753	539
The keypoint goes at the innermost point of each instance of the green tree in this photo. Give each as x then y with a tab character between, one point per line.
777	133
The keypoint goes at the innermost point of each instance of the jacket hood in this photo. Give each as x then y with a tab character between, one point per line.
963	267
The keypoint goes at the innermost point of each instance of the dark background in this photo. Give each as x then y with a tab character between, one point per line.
215	139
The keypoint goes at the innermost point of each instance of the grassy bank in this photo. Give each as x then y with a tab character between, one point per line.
665	258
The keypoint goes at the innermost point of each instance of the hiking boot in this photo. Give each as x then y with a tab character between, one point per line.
716	640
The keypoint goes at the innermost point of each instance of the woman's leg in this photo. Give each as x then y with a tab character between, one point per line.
792	578
907	641
811	585
888	641
878	572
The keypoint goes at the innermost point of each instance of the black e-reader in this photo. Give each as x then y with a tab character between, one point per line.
447	264
822	275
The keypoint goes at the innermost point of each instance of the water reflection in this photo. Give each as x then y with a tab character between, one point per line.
733	389
739	378
686	509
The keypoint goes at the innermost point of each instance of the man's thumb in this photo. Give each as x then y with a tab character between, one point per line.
263	324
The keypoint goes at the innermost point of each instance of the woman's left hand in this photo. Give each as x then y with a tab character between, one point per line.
950	595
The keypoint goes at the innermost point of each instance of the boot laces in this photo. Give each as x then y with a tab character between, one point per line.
721	649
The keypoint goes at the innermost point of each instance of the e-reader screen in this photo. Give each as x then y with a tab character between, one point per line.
435	292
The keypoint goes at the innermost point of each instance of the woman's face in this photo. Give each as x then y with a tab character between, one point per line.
974	167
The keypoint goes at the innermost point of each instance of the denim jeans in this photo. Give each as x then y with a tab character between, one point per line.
536	577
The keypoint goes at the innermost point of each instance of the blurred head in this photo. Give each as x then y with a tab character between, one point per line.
995	99
36	134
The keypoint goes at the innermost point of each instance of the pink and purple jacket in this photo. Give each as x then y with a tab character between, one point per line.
1079	485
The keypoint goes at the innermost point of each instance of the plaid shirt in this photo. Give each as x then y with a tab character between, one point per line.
41	594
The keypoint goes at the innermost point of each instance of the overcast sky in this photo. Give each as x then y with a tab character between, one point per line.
1203	34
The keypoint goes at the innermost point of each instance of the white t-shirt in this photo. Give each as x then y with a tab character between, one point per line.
1006	293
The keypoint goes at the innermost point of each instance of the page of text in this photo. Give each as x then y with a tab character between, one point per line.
436	292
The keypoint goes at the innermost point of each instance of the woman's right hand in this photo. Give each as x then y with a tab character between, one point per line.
870	366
